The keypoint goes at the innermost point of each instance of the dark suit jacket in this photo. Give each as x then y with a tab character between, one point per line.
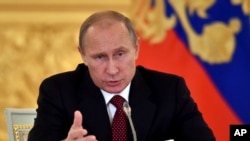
161	108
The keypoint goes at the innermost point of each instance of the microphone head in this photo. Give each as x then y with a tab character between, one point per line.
127	111
126	108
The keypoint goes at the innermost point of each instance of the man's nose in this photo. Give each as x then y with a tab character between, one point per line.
112	68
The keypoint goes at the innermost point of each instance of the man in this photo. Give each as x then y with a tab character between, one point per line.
76	105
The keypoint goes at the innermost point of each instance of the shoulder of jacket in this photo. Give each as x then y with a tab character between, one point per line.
146	72
67	75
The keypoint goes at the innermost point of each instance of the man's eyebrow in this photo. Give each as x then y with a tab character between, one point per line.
121	49
114	51
98	54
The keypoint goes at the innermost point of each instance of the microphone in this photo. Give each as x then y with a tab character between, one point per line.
127	110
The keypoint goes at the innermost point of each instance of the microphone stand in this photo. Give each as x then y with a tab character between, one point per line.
127	110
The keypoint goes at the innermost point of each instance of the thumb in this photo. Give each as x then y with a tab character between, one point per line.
77	120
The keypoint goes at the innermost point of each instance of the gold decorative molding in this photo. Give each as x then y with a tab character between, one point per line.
215	44
29	53
245	4
152	22
21	132
55	11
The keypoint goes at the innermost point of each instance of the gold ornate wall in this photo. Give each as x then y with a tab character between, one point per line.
38	39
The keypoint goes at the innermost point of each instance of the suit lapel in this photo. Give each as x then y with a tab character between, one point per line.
142	107
93	107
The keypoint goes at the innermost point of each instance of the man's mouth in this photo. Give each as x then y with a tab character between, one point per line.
113	83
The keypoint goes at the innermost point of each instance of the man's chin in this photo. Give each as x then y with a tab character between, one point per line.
113	90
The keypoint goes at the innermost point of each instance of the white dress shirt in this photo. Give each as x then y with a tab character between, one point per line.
108	96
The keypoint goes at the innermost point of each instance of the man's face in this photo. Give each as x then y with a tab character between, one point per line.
110	56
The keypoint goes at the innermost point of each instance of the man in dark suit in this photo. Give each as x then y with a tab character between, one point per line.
75	105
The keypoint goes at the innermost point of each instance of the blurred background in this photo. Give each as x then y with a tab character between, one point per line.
38	39
205	41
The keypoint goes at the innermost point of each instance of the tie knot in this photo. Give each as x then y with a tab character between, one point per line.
117	101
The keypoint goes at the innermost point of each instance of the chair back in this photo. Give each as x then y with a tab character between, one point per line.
19	122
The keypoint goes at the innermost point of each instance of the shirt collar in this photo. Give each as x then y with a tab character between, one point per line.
107	96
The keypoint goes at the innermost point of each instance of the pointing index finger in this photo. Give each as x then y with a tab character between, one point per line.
77	120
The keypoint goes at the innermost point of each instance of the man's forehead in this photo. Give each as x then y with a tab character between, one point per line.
105	23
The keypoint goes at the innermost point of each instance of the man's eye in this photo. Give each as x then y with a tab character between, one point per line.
99	57
120	53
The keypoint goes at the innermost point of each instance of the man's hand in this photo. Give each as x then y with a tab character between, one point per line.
77	132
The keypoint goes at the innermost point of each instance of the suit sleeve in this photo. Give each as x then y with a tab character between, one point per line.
190	123
50	123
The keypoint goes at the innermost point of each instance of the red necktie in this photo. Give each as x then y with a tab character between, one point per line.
119	123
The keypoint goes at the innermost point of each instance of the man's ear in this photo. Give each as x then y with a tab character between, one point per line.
137	47
80	50
82	54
